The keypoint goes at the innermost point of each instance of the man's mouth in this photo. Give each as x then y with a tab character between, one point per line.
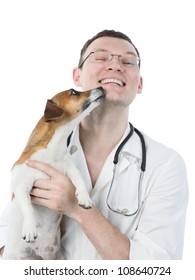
111	80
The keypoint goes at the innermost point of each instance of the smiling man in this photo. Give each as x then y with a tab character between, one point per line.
114	66
139	209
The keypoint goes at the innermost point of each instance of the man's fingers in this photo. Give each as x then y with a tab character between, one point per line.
40	191
44	167
56	178
43	184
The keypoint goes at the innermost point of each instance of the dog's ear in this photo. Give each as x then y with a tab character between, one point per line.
52	111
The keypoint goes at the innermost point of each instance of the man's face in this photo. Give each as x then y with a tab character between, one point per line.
120	82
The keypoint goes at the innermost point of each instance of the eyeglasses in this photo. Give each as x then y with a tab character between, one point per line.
128	60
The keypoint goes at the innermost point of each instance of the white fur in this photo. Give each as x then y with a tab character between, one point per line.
33	221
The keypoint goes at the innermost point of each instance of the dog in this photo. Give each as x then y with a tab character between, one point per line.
34	231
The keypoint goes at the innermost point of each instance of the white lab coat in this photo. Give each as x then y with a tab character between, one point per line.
156	231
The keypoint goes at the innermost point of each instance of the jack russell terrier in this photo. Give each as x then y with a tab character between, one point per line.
47	143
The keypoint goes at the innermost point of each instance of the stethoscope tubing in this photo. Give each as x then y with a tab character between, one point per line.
115	162
124	212
143	146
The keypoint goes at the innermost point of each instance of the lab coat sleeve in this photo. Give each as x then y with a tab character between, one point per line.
160	229
4	222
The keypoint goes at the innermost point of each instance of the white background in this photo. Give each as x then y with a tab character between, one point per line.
40	45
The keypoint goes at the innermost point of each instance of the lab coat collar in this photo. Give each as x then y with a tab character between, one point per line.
132	147
130	153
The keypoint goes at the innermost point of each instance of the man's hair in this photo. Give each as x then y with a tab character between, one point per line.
107	33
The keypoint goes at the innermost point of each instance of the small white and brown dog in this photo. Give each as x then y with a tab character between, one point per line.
34	231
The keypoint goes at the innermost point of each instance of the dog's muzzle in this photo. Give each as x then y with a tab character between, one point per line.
96	96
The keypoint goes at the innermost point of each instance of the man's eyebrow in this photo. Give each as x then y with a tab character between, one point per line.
100	49
131	52
104	50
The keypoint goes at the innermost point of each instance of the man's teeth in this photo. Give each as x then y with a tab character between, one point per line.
118	82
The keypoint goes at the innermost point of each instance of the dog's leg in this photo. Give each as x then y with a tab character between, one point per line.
15	247
81	193
48	244
29	228
23	179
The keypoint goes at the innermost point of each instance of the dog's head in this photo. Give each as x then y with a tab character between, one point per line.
70	104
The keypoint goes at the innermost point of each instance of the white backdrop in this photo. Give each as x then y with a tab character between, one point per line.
40	45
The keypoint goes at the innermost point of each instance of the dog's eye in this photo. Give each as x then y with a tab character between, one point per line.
75	92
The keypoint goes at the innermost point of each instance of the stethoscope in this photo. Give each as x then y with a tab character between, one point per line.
125	211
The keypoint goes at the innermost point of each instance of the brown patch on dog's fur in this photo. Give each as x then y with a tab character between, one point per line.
61	109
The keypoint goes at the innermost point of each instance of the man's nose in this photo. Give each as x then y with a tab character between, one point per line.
114	63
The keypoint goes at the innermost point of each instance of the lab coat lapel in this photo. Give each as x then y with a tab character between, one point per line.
78	158
123	195
130	154
132	149
106	173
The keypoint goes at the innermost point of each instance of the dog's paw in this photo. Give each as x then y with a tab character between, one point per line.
29	231
84	200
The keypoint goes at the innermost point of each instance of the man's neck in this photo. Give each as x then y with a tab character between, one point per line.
103	133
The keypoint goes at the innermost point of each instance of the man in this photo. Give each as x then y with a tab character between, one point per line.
154	229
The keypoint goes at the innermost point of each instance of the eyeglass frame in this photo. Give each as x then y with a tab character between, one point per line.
111	54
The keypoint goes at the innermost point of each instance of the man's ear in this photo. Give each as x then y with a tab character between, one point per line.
140	86
76	76
52	111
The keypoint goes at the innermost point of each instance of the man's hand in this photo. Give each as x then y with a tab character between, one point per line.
56	193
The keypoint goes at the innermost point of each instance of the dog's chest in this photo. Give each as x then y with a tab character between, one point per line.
58	143
56	148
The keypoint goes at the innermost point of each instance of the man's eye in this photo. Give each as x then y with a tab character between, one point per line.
128	62
100	57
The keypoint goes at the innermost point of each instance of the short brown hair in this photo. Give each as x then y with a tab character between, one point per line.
107	33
